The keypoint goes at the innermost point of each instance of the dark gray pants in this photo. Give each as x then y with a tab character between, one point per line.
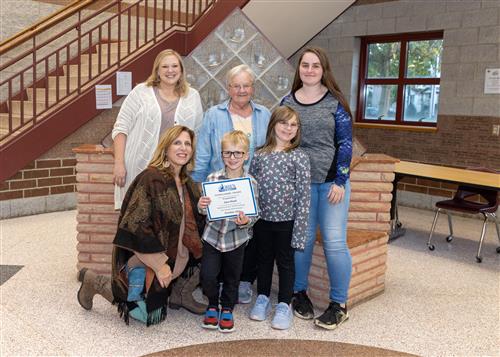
229	264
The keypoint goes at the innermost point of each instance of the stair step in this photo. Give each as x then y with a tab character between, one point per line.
73	82
28	107
41	92
4	128
84	69
16	121
112	47
113	57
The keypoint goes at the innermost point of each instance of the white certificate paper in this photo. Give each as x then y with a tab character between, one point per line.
229	197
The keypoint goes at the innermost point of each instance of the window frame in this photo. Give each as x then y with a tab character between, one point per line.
400	81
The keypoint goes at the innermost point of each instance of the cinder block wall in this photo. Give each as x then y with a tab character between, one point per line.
466	116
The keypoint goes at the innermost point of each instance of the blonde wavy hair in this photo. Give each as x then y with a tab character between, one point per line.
160	154
182	86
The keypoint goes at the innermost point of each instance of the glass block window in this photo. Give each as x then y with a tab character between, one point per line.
236	41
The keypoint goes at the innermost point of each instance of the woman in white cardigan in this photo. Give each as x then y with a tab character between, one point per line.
164	100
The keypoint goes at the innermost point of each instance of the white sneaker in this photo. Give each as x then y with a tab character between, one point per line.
283	317
245	292
261	308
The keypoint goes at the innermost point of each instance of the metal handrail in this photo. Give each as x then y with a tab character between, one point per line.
52	69
40	26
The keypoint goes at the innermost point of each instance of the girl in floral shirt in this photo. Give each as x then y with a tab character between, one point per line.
283	173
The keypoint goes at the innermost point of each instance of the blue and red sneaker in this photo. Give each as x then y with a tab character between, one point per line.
211	319
226	321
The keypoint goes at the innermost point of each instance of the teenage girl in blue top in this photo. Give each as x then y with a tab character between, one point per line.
327	139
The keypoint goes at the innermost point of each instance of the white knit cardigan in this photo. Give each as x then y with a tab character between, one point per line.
140	119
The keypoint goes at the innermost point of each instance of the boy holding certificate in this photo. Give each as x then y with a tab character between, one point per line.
224	240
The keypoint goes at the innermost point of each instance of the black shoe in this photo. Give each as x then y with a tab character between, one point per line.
302	306
333	316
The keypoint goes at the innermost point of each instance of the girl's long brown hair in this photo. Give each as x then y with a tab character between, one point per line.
328	80
160	154
283	113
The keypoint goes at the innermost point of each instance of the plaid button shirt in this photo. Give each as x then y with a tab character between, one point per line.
225	235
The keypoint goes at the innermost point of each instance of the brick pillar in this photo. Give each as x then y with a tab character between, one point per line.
371	192
368	225
97	218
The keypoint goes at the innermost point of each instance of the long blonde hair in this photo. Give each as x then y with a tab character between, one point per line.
328	80
160	154
283	113
182	86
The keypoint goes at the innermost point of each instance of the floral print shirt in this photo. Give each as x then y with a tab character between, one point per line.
284	189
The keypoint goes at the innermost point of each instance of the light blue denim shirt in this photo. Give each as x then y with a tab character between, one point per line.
216	122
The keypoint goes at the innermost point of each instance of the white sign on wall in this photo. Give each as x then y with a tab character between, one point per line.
123	83
103	96
492	81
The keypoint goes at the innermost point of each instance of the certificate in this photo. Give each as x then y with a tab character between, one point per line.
229	197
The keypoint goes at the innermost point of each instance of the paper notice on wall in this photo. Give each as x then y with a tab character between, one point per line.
123	83
103	96
492	81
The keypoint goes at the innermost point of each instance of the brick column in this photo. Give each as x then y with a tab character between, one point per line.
97	218
367	235
371	192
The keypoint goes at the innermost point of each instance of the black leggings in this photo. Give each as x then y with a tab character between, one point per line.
273	243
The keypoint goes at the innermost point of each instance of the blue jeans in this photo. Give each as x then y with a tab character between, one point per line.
332	220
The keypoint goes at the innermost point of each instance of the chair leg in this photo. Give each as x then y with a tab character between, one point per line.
479	259
429	245
498	229
450	225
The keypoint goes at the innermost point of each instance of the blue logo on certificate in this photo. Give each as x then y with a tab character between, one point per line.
227	187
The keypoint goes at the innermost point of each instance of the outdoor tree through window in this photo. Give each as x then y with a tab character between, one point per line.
399	79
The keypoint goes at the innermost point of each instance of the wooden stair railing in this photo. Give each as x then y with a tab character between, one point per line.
49	87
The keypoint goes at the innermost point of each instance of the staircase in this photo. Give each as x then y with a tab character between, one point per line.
50	70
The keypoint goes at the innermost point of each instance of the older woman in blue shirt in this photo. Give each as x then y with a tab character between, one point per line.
239	112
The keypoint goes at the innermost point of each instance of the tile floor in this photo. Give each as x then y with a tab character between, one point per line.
435	303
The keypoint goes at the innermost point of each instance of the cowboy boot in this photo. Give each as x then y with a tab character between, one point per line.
92	284
182	294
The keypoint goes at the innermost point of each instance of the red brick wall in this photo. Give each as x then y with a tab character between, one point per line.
41	178
461	141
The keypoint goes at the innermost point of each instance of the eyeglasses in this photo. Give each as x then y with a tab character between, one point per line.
241	86
293	125
236	154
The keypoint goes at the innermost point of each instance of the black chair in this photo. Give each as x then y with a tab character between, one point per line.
460	203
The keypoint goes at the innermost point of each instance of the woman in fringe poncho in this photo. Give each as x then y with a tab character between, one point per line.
158	234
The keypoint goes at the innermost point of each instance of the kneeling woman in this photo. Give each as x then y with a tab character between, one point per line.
159	230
